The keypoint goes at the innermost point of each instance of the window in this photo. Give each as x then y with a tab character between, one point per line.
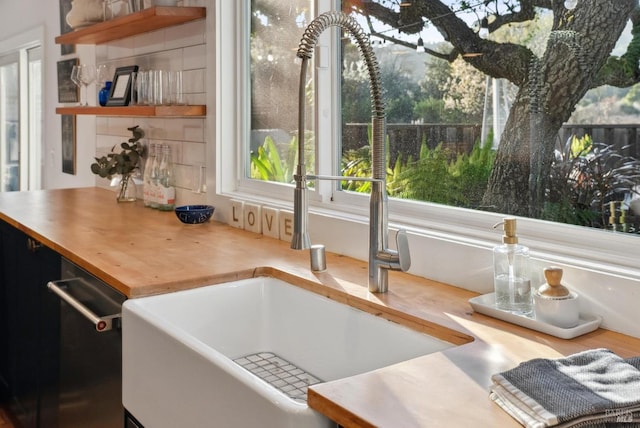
9	124
20	119
266	123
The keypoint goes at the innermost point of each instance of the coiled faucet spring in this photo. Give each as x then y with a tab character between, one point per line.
347	22
381	258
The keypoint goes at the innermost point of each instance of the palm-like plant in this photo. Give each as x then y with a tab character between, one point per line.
585	177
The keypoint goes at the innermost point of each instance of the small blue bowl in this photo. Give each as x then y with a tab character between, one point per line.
194	214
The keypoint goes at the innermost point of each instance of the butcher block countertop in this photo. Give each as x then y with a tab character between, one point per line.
142	252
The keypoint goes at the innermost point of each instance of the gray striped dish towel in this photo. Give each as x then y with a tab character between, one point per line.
594	388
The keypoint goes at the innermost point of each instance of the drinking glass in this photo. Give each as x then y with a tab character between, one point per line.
142	87
158	83
103	75
176	92
87	75
75	78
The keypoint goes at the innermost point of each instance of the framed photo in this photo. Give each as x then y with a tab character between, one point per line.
68	144
68	92
120	94
65	8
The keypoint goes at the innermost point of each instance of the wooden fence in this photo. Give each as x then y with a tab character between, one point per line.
407	138
460	137
625	138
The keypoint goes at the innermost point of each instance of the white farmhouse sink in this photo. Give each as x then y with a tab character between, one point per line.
182	353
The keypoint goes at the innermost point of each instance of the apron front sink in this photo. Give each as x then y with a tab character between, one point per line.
243	353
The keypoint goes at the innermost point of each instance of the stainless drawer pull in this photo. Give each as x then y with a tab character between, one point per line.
102	323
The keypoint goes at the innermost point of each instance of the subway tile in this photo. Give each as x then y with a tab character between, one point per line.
196	99
120	48
150	42
156	129
189	34
174	129
104	143
193	153
187	197
193	130
188	177
164	60
194	3
182	177
102	125
194	81
194	57
119	125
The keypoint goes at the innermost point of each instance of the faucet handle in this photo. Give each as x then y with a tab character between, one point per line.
404	255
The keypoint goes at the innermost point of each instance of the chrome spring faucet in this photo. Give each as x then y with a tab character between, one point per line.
381	258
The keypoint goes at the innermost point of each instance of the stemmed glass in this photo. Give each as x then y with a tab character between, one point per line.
86	75
75	78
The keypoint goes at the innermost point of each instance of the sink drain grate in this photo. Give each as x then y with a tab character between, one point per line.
279	373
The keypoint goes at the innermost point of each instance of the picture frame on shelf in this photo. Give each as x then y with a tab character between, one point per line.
68	143
120	94
65	8
68	92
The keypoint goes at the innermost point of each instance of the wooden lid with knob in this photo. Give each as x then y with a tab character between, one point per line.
553	287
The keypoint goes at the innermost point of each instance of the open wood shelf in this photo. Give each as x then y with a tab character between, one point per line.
158	111
135	23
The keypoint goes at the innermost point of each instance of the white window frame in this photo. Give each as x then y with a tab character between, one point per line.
28	47
342	217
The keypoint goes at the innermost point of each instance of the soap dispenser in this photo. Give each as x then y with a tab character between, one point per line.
511	275
554	303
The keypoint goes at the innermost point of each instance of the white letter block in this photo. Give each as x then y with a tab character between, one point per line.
236	218
270	225
285	219
252	219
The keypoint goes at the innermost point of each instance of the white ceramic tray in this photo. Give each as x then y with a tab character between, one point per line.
486	304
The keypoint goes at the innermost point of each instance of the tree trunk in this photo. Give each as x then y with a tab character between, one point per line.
578	47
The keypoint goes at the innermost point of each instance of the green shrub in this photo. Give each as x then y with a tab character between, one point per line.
269	164
438	175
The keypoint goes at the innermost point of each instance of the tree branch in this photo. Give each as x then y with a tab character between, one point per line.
623	71
499	60
526	13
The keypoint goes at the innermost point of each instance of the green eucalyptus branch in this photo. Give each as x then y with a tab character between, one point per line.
124	162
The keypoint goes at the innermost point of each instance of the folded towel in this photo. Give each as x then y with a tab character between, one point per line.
594	388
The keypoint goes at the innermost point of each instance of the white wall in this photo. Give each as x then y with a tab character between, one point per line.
16	19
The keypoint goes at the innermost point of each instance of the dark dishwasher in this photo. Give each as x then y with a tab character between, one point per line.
83	365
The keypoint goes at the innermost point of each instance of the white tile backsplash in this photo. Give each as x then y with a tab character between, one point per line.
193	130
194	81
175	48
122	48
194	57
189	34
148	42
193	153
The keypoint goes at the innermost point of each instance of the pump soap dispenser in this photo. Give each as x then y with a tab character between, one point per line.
554	303
511	278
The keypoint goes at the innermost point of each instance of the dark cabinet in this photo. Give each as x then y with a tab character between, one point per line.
26	267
